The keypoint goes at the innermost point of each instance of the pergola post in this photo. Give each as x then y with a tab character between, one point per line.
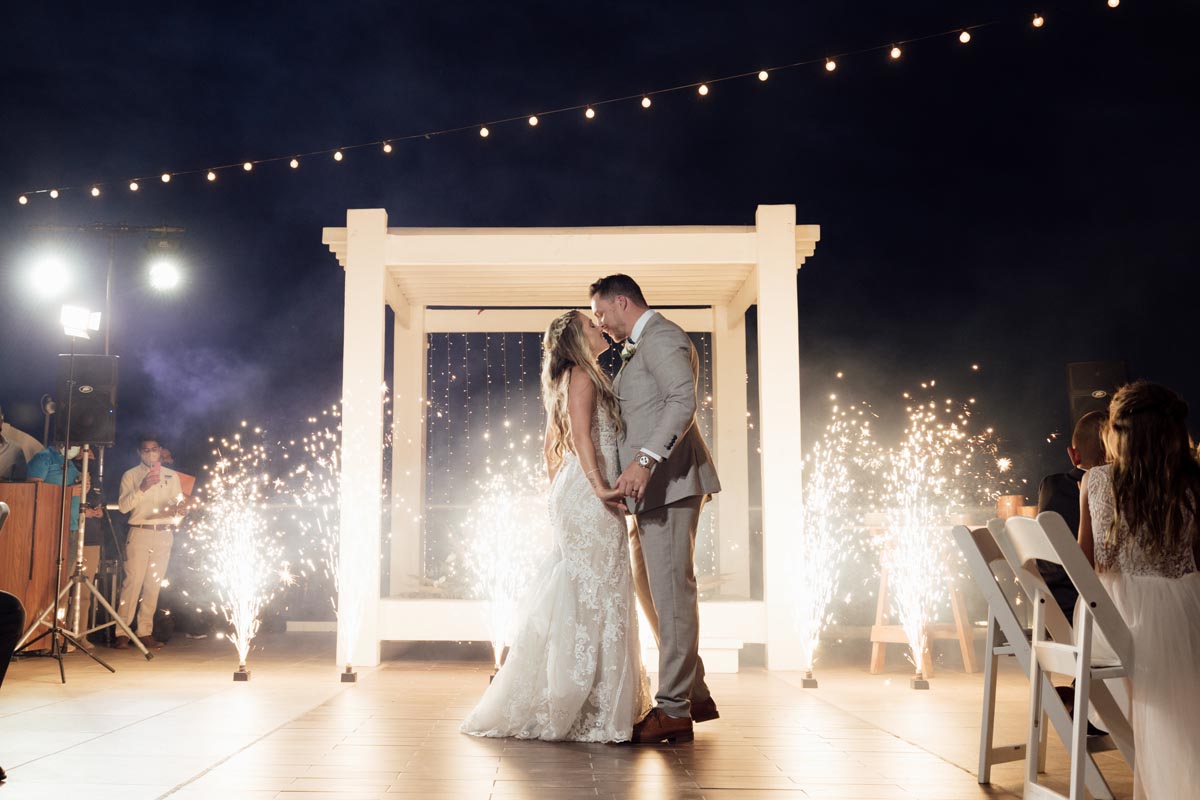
731	450
779	423
362	438
409	366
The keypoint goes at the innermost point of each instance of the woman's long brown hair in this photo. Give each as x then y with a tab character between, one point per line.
1155	474
564	346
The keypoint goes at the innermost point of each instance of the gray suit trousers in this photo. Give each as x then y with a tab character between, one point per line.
662	551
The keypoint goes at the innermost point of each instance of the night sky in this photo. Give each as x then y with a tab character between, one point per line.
1022	202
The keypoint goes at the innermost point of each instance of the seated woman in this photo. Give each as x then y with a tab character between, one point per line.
1139	527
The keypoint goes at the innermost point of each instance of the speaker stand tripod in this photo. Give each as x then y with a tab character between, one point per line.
78	581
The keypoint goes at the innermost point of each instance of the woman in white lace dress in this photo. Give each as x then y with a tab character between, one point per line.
575	670
1139	527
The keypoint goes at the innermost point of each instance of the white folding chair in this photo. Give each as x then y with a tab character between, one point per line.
3	514
1023	541
1007	636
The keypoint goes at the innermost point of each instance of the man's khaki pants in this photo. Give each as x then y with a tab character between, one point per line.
146	555
662	551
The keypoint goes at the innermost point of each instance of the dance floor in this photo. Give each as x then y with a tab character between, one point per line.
179	727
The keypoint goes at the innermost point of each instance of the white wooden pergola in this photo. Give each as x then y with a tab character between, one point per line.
502	275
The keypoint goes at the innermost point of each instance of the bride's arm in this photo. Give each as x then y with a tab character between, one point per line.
581	409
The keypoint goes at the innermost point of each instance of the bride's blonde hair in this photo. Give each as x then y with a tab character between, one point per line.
563	347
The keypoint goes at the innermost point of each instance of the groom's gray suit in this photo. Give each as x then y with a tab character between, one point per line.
658	389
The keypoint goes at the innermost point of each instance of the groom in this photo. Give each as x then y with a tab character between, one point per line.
668	475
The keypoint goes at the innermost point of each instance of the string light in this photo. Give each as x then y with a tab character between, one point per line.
166	177
133	187
964	36
23	200
211	176
1114	3
54	194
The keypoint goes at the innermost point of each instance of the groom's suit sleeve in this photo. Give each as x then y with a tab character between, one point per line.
669	362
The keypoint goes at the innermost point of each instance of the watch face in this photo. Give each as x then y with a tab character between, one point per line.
644	460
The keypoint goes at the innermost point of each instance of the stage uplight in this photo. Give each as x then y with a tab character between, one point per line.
49	275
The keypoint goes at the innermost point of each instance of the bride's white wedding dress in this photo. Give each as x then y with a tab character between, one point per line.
575	670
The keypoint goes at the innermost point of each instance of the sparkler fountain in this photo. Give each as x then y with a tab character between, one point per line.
241	551
507	532
828	526
927	481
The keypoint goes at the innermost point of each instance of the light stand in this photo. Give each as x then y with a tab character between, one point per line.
76	324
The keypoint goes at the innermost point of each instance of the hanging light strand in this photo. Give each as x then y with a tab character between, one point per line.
483	129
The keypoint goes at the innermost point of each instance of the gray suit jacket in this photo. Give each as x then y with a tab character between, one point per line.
658	389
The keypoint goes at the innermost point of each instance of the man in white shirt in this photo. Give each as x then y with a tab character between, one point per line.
153	498
12	458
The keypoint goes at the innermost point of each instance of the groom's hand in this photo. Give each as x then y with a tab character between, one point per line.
632	482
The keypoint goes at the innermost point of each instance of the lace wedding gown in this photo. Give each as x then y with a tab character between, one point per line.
575	670
1159	599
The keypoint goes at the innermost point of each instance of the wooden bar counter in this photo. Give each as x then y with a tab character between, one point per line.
29	544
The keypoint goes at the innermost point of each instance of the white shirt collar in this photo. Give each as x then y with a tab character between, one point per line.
640	325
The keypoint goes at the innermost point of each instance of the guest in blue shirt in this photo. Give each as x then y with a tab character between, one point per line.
48	466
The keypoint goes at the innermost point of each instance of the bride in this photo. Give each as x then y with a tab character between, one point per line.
575	670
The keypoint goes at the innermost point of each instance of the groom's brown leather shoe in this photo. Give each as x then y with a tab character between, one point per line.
660	727
704	710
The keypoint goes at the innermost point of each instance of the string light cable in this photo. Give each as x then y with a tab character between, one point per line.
828	62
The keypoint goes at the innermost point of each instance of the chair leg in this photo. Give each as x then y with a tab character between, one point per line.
1083	678
987	723
1033	740
1042	745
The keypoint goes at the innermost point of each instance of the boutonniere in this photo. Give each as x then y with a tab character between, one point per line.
627	352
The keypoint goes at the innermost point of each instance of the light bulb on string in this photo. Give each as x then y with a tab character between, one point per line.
1114	3
95	191
895	52
763	75
337	156
54	194
830	65
211	176
1038	20
23	200
590	113
133	186
703	90
533	121
645	102
484	132
166	177
387	147
964	37
294	163
247	166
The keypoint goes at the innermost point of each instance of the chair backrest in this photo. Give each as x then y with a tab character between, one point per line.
1049	539
1031	582
993	576
3	514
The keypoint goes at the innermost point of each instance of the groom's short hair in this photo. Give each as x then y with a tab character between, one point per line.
614	285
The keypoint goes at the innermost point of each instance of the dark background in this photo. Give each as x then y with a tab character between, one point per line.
1021	202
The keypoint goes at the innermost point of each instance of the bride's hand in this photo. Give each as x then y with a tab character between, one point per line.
607	494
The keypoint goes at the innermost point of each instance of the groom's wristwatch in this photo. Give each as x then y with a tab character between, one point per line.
644	460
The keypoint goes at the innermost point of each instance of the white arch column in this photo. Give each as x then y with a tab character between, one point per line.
779	422
362	438
409	368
